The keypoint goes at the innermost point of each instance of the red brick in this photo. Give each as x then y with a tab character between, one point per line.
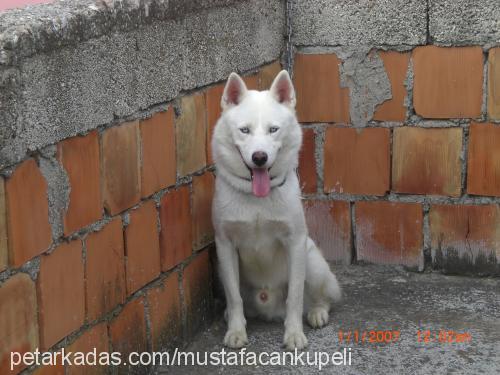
203	193
158	152
4	246
197	285
252	81
267	75
165	313
95	338
396	66
18	324
28	212
142	247
128	332
427	161
191	134
57	369
483	171
389	233
120	167
317	84
307	163
448	82
329	224
357	161
61	293
466	238
214	110
175	235
80	158
105	270
494	83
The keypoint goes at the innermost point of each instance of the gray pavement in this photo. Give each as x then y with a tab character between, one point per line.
386	299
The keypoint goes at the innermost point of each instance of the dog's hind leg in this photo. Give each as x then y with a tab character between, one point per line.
321	287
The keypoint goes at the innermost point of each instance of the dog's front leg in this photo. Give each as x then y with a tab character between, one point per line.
294	333
236	335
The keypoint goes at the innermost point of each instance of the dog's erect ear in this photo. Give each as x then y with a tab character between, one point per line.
282	89
234	91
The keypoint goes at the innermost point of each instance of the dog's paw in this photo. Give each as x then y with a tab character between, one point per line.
317	317
295	340
235	339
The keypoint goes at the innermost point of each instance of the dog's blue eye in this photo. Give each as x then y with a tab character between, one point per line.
245	130
273	129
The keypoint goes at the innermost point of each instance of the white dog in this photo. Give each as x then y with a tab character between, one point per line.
266	258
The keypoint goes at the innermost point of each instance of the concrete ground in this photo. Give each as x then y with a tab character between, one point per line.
387	298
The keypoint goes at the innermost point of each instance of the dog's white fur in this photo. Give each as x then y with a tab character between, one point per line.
268	265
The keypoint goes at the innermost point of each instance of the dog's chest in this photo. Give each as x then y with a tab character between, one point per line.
262	254
257	234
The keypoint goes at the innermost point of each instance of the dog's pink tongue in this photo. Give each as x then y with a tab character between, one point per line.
261	183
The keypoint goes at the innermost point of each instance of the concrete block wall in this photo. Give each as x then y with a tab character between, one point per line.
106	181
400	109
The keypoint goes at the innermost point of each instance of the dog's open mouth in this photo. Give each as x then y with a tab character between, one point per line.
261	182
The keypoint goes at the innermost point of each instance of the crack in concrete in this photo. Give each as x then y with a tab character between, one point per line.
363	72
58	188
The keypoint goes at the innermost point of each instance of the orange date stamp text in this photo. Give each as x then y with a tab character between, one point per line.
442	336
369	336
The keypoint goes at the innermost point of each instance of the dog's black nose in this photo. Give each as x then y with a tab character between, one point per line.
259	158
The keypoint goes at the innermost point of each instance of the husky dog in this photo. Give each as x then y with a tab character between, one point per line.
268	265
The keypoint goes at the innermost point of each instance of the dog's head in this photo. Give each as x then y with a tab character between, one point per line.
257	138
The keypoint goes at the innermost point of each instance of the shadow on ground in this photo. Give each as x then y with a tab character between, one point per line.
386	298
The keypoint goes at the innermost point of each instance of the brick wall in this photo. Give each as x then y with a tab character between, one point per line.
125	264
111	229
107	177
416	182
